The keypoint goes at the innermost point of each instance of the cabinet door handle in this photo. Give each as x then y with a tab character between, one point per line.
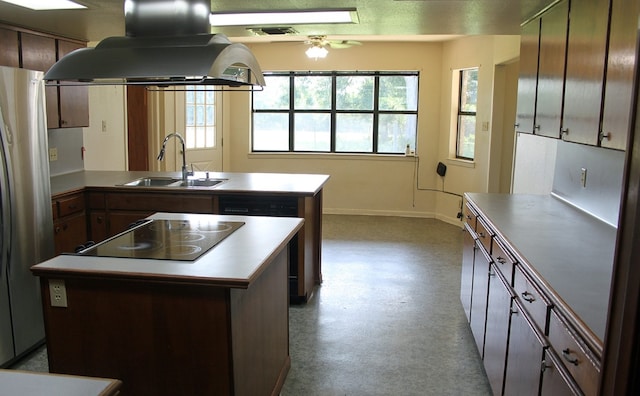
605	136
528	297
57	230
536	127
544	366
99	220
566	354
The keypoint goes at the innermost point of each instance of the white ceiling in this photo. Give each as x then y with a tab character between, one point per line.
379	19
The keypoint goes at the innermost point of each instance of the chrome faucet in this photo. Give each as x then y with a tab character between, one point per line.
185	172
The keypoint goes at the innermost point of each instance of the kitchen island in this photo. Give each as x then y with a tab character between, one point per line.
94	205
217	325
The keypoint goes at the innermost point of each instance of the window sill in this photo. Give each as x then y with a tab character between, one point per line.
460	162
333	156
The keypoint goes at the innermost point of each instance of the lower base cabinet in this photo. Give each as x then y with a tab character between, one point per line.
525	355
479	295
497	330
555	380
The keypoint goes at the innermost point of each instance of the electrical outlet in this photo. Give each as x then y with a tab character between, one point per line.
53	154
58	293
583	177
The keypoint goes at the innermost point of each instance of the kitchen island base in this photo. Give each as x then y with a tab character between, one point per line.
173	338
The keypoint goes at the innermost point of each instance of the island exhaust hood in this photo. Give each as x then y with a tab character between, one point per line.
167	43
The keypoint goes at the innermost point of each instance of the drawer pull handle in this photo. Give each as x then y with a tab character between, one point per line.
528	297
468	217
501	260
481	234
566	354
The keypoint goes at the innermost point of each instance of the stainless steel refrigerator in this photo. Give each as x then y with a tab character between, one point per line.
26	224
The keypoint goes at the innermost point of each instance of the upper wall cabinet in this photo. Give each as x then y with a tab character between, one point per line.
542	66
67	106
553	41
620	67
586	60
528	78
39	53
74	100
9	48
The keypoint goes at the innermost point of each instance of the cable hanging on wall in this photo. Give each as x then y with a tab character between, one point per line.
441	170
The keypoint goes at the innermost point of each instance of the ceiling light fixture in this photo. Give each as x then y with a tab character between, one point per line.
316	51
46	4
346	15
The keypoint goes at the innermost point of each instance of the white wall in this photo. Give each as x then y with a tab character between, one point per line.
385	185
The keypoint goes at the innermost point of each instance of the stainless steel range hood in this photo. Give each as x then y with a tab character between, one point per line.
167	43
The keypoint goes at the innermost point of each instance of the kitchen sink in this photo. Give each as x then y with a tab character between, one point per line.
152	182
172	182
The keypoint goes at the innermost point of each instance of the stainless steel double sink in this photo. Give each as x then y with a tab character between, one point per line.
172	182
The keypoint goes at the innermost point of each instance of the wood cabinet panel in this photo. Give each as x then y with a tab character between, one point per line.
576	357
525	356
553	41
469	216
586	56
503	261
69	232
466	277
98	230
497	330
528	77
39	53
531	299
9	48
189	203
619	82
485	235
555	380
479	296
74	100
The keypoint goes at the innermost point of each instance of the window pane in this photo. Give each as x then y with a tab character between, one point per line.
312	92
274	96
398	93
270	132
199	115
354	92
469	90
312	132
395	131
466	136
354	133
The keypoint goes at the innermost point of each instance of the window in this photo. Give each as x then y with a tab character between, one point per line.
467	104
200	120
336	112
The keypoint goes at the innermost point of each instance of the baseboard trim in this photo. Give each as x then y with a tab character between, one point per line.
396	213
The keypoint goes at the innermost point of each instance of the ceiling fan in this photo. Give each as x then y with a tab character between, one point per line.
318	43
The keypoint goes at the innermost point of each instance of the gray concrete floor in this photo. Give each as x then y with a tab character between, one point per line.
386	321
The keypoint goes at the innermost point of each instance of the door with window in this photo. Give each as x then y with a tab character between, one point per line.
196	114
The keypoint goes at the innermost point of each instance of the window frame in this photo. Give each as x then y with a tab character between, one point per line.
461	113
333	112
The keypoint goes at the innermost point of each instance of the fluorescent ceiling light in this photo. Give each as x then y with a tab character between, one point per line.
284	17
46	4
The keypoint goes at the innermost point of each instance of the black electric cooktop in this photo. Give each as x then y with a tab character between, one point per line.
184	240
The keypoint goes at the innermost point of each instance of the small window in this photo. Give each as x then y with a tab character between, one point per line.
467	105
200	117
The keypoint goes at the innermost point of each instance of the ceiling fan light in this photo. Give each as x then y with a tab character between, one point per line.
316	52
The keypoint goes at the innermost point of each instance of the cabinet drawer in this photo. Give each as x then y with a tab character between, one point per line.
484	234
70	205
530	298
575	356
504	262
469	216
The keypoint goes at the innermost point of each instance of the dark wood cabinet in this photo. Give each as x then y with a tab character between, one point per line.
528	77
586	61
70	223
553	41
74	100
9	48
67	106
39	53
466	278
525	355
619	81
555	379
497	329
479	295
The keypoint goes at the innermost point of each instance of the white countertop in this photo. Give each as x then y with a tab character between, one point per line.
235	262
276	183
